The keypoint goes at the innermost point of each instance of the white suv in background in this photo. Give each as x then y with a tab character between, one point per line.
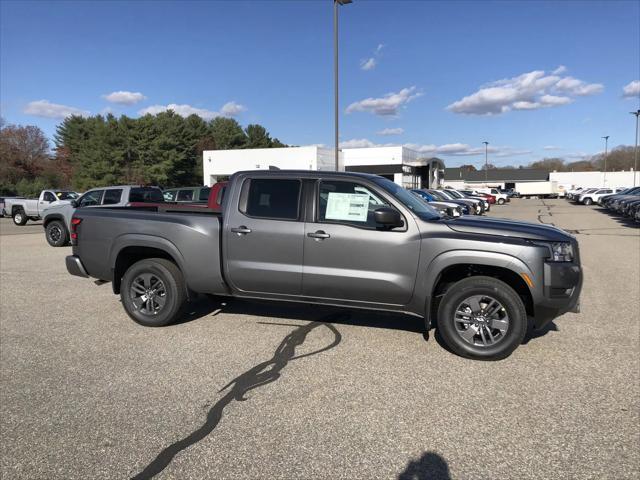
592	196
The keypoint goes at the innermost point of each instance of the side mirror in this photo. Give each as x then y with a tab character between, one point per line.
74	203
388	217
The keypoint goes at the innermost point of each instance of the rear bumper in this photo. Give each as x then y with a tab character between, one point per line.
562	287
75	267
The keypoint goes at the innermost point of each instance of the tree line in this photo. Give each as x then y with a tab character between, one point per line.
620	158
163	149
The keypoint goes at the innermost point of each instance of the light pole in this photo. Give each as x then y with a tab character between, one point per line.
606	152
486	163
335	72
635	155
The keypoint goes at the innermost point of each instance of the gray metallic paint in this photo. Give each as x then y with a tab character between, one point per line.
355	267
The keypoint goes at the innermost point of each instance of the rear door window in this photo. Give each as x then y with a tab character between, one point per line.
112	196
273	198
185	196
146	195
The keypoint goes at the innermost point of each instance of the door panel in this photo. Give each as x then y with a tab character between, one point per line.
362	263
264	254
356	264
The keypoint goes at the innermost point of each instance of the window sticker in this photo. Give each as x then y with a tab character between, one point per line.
347	206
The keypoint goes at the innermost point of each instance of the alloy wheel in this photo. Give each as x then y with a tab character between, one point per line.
148	294
481	320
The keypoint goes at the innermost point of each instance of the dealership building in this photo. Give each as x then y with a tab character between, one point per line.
402	165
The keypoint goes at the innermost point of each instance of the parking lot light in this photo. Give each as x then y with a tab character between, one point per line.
635	155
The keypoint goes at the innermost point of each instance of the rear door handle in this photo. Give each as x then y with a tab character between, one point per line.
242	230
319	234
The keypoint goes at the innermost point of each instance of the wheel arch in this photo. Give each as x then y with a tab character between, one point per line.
127	251
452	266
50	218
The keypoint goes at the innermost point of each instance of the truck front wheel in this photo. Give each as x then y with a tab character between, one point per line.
19	218
56	234
482	318
501	201
153	292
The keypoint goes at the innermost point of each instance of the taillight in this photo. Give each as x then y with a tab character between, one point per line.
75	221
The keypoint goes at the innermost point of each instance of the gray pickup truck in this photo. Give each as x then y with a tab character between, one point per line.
345	239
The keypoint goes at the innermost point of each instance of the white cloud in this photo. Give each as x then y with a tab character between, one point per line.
551	147
229	109
368	64
46	109
448	149
124	98
631	90
529	91
390	131
561	69
371	62
387	105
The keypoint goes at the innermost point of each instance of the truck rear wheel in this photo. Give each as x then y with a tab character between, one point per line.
19	218
482	318
153	292
56	234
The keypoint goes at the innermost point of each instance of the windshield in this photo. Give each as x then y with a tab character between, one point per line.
454	193
408	199
66	195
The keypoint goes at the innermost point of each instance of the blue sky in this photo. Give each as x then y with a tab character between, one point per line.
534	79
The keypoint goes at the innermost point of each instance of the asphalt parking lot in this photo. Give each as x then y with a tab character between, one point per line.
253	390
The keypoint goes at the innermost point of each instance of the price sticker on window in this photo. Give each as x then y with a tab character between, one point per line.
352	207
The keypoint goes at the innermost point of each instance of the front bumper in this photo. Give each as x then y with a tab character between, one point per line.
561	292
75	266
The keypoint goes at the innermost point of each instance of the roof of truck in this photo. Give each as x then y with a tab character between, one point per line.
307	173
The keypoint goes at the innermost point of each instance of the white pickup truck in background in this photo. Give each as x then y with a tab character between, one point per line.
24	209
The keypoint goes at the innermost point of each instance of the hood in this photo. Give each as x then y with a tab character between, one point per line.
57	206
508	228
444	204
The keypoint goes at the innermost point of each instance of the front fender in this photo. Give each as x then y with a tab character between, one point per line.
438	264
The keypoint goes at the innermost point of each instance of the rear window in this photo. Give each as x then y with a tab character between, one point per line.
273	198
146	194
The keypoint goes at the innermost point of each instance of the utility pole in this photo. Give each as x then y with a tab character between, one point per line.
635	154
486	163
606	152
335	75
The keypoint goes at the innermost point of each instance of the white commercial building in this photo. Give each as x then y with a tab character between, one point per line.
404	166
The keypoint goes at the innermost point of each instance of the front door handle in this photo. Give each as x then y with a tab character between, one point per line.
242	230
319	234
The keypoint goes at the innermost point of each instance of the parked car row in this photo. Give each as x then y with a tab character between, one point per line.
455	203
626	203
620	200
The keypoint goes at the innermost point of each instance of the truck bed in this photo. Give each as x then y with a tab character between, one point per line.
113	233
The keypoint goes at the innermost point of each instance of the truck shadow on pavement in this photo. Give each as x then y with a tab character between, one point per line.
237	389
430	466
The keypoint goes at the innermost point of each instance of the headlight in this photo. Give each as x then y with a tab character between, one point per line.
561	252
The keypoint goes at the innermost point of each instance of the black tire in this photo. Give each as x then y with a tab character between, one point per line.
19	218
501	201
498	290
587	201
56	234
174	287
